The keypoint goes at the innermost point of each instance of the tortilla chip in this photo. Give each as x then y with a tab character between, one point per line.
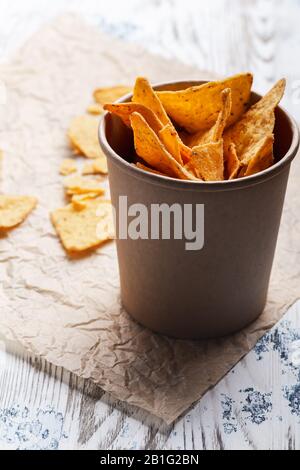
171	141
257	123
207	162
110	94
83	135
150	149
216	132
262	156
146	168
82	230
96	167
233	164
95	109
78	185
15	209
80	201
197	108
144	94
67	167
124	111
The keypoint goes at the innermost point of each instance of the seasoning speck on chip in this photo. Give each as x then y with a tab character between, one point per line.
85	229
15	209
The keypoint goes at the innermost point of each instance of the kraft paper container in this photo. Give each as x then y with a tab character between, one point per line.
222	288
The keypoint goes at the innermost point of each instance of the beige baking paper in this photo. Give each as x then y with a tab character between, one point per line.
68	310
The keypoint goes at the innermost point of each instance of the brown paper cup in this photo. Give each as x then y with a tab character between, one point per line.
208	292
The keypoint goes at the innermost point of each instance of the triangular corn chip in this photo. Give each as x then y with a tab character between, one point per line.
144	94
110	94
124	111
78	185
262	157
152	151
197	108
15	209
95	109
207	162
81	230
216	132
232	163
257	123
67	167
171	141
83	135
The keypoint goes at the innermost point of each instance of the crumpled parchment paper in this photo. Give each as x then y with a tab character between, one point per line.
68	310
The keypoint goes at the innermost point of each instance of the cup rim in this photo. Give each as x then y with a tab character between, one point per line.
226	185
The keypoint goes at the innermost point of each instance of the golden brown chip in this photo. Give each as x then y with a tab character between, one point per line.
146	168
216	132
96	167
80	201
67	167
197	108
153	152
233	164
85	229
124	111
207	162
95	109
79	185
257	123
144	94
262	156
110	94
171	141
15	209
83	135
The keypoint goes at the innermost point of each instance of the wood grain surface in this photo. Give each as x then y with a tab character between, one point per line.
257	405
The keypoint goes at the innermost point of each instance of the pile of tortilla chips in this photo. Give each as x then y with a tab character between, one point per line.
208	132
87	221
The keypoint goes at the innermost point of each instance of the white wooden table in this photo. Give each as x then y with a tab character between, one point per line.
257	406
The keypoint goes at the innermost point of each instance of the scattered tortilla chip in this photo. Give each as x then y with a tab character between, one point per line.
85	229
216	132
124	111
197	108
254	125
153	152
262	156
171	141
146	168
233	164
96	167
83	135
207	162
95	109
80	201
110	94
67	167
15	209
79	185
